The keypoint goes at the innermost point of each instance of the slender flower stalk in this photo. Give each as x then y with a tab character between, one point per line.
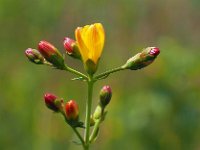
107	73
88	112
83	76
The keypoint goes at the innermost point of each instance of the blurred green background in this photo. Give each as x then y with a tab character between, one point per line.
157	108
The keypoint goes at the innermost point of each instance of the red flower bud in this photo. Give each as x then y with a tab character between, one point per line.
72	112
51	54
143	59
50	101
68	44
105	95
71	48
34	56
47	49
154	51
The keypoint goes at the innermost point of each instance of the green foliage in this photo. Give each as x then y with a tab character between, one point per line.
156	108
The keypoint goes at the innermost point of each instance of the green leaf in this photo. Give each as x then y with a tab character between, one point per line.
78	78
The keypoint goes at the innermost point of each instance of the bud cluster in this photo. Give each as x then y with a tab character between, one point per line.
47	53
69	110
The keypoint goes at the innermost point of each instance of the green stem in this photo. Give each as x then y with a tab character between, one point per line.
76	72
88	112
79	136
105	74
74	129
94	132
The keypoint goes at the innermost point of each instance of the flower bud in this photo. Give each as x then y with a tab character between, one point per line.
71	48
105	95
34	56
51	54
50	100
72	112
154	51
143	59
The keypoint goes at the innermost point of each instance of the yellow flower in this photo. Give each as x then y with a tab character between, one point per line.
90	39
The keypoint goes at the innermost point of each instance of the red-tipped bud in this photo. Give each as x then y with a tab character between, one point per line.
51	54
105	95
72	112
143	59
50	101
34	56
71	47
68	44
47	49
154	51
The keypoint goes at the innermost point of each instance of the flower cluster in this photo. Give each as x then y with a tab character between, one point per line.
69	110
87	47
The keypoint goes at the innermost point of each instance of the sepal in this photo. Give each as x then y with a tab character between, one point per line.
90	67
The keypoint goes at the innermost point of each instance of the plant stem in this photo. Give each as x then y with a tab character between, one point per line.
76	72
88	112
105	74
94	132
79	136
75	130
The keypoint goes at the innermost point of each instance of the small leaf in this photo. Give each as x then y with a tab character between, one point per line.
103	77
78	78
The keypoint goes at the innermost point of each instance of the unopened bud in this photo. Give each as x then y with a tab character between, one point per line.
72	111
143	59
105	95
154	51
51	54
71	47
50	101
34	56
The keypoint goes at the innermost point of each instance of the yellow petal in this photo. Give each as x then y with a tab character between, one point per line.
82	47
90	40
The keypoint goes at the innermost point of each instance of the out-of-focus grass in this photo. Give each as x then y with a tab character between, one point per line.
156	108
